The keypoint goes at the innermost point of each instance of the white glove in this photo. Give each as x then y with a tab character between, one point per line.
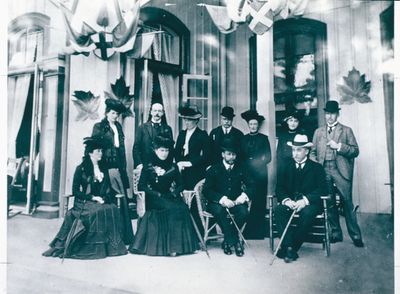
226	202
242	199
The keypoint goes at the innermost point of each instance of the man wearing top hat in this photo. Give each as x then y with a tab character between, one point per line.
228	186
300	188
155	126
335	147
225	130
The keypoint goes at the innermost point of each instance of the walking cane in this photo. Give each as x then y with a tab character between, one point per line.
203	245
283	236
237	228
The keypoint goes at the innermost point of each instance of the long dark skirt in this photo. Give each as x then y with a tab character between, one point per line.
162	232
256	228
100	235
117	183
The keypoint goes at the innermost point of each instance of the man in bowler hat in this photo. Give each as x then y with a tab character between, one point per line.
335	147
225	130
227	186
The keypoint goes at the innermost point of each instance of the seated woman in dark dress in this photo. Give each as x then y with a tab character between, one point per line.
91	229
166	227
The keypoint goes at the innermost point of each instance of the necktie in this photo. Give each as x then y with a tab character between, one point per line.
330	130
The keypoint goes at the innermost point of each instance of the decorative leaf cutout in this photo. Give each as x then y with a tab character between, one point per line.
120	91
87	105
355	88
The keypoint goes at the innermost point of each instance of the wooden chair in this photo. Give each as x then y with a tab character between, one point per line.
206	217
140	195
319	233
14	168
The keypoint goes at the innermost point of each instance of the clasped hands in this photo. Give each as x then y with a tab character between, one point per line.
228	203
98	199
296	205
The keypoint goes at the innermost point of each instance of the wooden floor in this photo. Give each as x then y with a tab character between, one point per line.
348	270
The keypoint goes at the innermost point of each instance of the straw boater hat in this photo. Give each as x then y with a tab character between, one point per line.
189	112
228	112
252	114
300	141
116	105
332	106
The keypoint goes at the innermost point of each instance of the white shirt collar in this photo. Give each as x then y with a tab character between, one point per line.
226	130
301	163
227	165
332	125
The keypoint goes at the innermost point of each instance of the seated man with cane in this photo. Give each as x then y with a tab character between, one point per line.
226	192
298	191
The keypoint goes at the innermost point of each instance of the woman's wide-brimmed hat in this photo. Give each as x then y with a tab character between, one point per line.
93	143
292	113
228	112
116	105
189	112
162	142
229	145
332	106
300	141
252	114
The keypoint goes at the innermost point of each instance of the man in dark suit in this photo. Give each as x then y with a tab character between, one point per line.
300	188
335	147
156	126
225	130
227	187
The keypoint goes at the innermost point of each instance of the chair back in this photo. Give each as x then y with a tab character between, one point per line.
136	177
140	195
201	201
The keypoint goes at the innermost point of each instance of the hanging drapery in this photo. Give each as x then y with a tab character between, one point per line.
169	84
258	14
18	87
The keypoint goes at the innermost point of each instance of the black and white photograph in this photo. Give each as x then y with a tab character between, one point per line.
199	146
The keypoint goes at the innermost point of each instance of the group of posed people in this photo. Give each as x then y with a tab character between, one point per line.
235	169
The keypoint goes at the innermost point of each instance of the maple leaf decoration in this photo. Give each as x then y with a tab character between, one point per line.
120	91
87	105
355	88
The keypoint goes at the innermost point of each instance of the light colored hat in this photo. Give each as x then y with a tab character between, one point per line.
300	141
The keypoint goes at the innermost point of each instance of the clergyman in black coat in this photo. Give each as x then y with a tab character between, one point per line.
300	188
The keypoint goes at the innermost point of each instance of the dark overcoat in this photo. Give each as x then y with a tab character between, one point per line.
216	138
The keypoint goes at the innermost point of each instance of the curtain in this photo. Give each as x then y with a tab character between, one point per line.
169	84
18	87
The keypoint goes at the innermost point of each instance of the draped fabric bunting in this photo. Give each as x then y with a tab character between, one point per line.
103	31
259	15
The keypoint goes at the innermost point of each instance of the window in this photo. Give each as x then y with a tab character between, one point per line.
300	70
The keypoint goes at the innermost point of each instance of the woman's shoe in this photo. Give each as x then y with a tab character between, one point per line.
49	252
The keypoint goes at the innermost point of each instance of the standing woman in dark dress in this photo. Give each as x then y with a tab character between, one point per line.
256	153
109	130
166	228
96	232
291	127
